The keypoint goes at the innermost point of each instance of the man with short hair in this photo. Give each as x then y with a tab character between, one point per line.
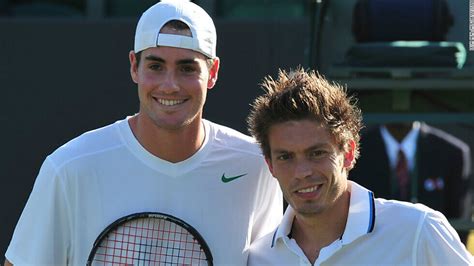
166	158
308	129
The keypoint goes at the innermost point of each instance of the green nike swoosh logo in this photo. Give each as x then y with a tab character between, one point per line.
228	179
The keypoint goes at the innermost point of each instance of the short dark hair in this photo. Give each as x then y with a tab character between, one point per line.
301	95
177	25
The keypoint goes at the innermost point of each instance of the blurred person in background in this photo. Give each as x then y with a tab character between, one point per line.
416	162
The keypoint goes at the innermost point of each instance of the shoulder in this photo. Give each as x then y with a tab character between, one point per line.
439	135
261	249
403	220
422	234
229	138
409	215
88	144
389	206
446	147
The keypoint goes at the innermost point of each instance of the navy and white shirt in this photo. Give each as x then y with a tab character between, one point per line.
378	232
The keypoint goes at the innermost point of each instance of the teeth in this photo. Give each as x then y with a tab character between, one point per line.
170	102
307	190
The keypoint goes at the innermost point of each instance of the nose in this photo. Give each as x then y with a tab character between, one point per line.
303	169
169	83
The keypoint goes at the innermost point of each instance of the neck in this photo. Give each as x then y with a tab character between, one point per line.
173	145
399	130
312	233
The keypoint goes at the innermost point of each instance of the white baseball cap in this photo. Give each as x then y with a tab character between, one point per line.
204	37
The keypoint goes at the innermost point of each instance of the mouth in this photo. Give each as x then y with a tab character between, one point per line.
309	189
166	102
309	192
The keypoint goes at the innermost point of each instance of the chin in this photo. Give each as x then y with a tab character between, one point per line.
309	210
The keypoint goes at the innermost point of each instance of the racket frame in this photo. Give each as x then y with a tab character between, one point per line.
159	215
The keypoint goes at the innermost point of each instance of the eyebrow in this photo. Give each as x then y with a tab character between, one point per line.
179	62
316	146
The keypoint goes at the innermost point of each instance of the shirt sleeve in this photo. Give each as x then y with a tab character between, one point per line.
41	234
439	244
269	205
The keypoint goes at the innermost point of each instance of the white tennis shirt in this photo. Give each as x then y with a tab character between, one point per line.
106	174
378	232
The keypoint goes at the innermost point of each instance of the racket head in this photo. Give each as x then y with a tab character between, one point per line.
150	237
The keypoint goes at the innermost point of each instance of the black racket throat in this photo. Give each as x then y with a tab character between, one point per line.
150	238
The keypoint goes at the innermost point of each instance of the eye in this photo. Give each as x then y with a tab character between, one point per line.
317	153
283	156
155	67
188	69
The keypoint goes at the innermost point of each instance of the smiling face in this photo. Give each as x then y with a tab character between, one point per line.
172	85
311	169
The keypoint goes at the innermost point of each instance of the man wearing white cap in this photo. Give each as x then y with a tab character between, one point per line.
166	158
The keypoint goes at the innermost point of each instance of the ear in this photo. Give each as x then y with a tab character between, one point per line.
133	66
269	164
213	73
349	154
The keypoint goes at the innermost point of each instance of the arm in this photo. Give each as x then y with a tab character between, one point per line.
439	244
269	208
41	234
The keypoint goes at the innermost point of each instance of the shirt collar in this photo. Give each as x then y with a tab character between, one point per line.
361	218
360	221
284	228
408	145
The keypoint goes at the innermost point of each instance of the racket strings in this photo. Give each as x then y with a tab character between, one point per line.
149	241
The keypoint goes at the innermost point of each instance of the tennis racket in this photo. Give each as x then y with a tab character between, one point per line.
150	238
